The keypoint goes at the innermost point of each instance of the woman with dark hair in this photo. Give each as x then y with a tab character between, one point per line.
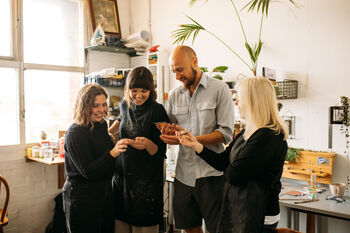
138	178
90	163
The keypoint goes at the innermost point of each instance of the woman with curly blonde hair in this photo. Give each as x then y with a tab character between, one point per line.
252	163
89	163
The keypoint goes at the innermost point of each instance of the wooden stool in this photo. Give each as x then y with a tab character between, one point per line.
3	212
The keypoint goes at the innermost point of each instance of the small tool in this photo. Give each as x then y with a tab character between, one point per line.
305	201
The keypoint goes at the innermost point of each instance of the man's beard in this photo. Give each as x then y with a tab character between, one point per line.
191	80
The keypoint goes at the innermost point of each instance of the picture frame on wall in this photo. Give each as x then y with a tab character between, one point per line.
290	123
105	13
337	115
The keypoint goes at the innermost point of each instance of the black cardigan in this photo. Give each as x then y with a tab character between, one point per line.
138	178
87	155
261	158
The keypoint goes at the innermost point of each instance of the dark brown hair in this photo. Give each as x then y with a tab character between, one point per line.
85	102
139	77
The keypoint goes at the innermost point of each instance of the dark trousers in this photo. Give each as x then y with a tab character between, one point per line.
270	228
88	206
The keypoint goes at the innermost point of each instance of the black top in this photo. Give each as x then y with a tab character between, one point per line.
138	178
261	158
87	155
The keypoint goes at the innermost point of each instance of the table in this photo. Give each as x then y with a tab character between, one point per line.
56	161
323	207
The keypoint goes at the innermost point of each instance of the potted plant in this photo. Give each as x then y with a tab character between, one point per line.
184	32
293	154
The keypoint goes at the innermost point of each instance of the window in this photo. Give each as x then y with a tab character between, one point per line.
39	95
49	101
5	25
55	35
9	133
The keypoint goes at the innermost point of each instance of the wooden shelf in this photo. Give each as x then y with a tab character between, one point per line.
57	160
129	51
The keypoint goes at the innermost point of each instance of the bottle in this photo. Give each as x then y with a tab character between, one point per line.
43	135
313	186
61	147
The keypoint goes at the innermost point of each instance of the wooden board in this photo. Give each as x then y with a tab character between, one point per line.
311	162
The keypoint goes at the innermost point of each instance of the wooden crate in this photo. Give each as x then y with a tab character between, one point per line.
310	162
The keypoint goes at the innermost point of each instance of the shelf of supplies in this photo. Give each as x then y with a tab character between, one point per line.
129	51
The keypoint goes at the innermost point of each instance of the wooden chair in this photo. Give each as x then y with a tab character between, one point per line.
3	212
286	230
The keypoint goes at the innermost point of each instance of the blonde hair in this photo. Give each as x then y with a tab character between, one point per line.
85	102
258	98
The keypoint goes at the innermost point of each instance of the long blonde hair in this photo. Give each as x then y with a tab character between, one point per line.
85	102
258	99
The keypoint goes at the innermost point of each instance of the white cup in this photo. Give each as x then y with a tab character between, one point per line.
337	189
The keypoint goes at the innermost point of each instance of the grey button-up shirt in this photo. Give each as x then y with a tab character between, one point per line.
209	109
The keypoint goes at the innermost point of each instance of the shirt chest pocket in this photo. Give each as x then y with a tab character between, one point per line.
207	115
182	114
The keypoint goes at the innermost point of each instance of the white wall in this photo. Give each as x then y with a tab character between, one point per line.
309	44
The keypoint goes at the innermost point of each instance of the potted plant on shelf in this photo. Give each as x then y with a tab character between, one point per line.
292	154
184	32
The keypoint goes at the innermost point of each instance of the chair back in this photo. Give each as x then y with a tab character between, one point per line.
3	211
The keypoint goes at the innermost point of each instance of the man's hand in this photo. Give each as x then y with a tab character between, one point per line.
168	128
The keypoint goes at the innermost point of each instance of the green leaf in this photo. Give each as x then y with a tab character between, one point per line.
263	5
204	69
185	31
220	69
218	77
192	2
293	154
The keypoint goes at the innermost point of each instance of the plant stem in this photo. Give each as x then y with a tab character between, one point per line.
240	21
261	23
230	49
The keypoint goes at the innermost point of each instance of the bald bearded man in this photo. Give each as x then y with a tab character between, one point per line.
203	106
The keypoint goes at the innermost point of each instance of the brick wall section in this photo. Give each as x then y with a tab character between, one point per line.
33	187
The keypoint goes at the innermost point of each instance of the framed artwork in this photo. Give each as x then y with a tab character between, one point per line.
337	115
290	123
105	13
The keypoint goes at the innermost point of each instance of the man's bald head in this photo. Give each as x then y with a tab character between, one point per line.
184	50
184	64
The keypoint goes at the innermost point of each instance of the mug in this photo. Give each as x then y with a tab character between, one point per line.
337	189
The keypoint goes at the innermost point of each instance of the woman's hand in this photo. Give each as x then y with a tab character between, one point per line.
113	131
143	143
187	139
120	147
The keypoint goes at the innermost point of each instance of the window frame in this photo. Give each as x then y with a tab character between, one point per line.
16	61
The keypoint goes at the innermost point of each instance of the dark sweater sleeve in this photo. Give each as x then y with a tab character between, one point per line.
159	115
79	151
219	161
254	157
